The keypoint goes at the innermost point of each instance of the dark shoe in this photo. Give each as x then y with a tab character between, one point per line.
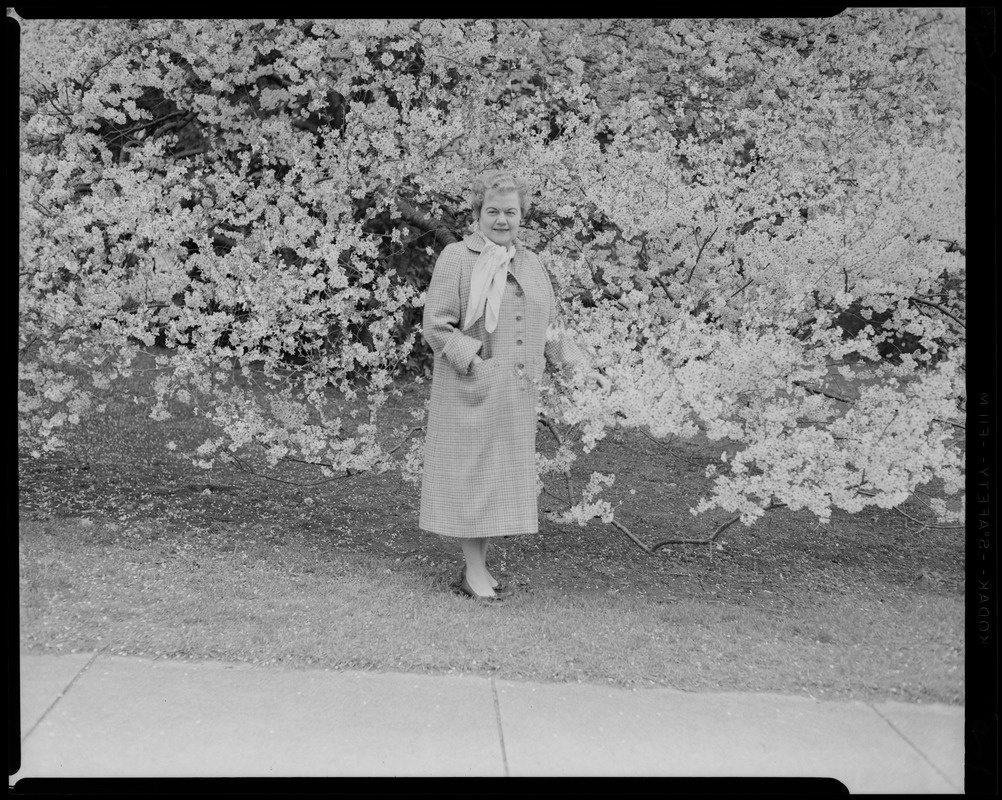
466	589
499	589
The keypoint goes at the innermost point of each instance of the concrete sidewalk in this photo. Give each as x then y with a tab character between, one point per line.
93	715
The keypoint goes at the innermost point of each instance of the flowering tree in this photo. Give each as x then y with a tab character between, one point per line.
740	216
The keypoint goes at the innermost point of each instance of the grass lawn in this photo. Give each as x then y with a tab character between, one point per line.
125	547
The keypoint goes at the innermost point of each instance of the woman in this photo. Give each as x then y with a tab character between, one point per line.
488	309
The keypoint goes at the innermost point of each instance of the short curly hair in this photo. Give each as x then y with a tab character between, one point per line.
498	180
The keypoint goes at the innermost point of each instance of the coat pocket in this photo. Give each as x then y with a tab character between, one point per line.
477	385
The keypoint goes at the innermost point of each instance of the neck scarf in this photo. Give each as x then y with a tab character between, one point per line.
487	283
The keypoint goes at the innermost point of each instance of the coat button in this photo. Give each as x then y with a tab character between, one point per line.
521	366
518	318
518	341
519	293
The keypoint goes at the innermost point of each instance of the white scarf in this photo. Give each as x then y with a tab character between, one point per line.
487	283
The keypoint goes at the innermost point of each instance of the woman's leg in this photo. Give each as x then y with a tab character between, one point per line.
476	570
486	541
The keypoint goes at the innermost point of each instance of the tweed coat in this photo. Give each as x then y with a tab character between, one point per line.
479	474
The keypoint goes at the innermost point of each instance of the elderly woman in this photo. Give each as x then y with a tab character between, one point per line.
488	309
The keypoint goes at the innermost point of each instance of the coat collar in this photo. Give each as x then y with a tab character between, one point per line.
476	241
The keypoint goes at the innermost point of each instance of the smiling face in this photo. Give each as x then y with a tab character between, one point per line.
500	216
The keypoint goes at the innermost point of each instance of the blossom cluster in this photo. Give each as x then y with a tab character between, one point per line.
756	226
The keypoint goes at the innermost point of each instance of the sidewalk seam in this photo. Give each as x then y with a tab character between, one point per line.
497	717
923	756
60	696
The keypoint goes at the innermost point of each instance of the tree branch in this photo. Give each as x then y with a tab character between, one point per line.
245	468
953	247
24	350
620	526
121	134
699	255
938	308
749	283
426	223
948	422
667	449
193	151
926	524
408	435
636	541
812	390
175	124
720	529
567	472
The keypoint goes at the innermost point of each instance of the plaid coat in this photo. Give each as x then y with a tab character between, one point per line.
480	449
